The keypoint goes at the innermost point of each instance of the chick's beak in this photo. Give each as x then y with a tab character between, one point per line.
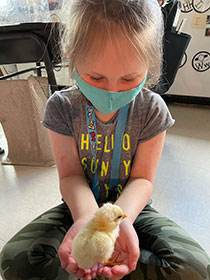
124	216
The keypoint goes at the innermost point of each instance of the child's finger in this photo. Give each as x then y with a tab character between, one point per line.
100	271
94	271
87	276
119	272
122	269
87	271
80	273
107	271
63	254
72	268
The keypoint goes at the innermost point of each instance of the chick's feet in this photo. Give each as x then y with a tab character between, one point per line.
112	262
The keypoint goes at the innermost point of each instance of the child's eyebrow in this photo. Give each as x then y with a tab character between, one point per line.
132	74
98	74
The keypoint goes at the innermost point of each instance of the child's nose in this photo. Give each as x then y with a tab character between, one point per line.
113	86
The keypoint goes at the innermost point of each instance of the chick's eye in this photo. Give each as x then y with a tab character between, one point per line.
119	217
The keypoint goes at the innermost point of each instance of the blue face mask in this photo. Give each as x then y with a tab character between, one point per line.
107	101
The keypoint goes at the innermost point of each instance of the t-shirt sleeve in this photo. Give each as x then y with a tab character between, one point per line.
57	115
157	118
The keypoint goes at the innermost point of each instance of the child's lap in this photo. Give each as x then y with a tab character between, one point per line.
156	231
36	246
166	245
162	243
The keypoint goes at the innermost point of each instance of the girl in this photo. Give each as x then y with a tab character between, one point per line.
107	134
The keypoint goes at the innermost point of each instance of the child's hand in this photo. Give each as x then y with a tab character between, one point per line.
126	253
67	261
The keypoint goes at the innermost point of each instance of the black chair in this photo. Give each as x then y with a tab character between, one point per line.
174	48
31	42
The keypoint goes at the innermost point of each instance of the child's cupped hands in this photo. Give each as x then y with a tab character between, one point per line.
67	261
126	253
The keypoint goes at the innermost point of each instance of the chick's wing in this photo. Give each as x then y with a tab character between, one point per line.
88	249
102	246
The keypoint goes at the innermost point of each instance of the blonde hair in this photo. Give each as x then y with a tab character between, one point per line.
140	21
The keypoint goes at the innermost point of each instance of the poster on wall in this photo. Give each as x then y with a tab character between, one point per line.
193	77
55	7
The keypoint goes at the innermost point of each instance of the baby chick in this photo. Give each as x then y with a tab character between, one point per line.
95	241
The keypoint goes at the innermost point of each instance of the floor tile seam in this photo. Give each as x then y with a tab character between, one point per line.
164	187
49	206
184	149
194	139
194	166
183	161
190	222
179	159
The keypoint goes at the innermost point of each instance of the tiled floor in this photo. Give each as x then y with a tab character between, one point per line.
182	186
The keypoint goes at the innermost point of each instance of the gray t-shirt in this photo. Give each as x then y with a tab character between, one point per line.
148	116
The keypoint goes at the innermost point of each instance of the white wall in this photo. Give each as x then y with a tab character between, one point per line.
195	81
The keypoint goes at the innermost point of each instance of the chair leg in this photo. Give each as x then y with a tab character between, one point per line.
39	71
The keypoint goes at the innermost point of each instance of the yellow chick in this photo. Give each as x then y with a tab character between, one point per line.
95	241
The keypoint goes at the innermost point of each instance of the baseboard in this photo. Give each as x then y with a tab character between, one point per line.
186	99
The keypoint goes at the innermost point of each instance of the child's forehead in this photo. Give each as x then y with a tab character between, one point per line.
119	53
115	44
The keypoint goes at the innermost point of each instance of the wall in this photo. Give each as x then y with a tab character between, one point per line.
193	78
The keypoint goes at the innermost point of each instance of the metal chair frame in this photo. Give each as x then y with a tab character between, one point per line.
31	43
